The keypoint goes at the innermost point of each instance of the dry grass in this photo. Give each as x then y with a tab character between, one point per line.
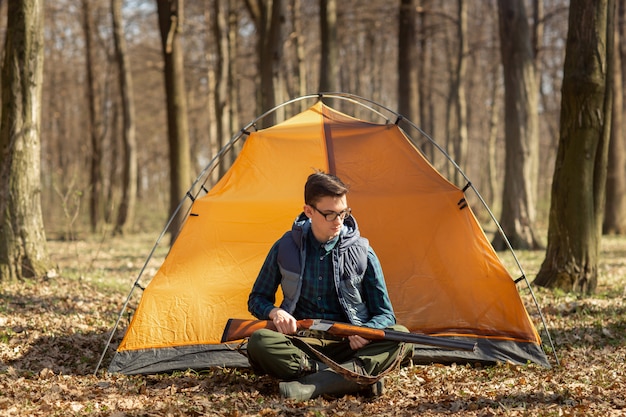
52	334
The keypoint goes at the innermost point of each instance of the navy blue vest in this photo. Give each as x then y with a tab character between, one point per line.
349	257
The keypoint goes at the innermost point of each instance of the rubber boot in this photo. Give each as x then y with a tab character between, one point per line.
327	382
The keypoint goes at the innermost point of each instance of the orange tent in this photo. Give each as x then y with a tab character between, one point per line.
443	276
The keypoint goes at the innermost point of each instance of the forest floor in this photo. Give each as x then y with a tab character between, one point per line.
52	334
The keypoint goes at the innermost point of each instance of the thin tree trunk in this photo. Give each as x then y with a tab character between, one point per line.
113	169
407	68
267	16
222	72
537	36
492	166
23	250
233	86
170	24
329	65
126	210
615	214
213	64
578	187
461	144
95	124
299	47
521	128
424	58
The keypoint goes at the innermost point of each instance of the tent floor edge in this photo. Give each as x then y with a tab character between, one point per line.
488	352
170	359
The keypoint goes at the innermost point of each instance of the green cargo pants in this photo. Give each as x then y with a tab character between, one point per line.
276	354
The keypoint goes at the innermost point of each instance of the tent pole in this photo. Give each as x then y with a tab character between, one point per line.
494	220
205	173
354	99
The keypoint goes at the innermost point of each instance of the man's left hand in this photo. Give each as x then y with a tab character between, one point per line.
357	342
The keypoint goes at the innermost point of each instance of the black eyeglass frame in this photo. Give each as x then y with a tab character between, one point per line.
333	215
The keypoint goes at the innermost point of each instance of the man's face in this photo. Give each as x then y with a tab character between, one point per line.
325	230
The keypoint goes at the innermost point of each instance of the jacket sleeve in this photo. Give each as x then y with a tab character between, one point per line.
376	295
263	295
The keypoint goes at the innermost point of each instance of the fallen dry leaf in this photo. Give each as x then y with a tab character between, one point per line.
52	334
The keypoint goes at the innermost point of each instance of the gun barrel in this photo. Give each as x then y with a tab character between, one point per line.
440	342
343	329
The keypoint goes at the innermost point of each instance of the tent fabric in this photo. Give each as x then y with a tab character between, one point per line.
443	276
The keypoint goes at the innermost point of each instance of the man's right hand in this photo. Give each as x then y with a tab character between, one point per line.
285	323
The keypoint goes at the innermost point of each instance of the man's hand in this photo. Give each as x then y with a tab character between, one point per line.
285	323
357	342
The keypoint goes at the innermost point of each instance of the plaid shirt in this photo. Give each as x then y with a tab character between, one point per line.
318	297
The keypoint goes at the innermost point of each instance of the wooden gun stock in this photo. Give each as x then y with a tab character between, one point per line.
238	329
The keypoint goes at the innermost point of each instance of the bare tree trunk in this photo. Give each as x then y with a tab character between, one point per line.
329	65
424	59
213	64
95	124
233	86
460	145
126	210
222	72
407	68
615	214
537	35
492	139
521	128
574	235
267	16
170	24
23	250
111	193
299	46
456	111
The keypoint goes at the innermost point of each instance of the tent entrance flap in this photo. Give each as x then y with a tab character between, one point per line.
441	271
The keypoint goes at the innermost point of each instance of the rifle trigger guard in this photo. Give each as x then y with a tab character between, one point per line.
318	334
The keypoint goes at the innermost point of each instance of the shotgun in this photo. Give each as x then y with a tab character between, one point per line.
238	329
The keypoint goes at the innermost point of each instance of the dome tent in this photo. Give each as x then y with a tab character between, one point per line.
443	276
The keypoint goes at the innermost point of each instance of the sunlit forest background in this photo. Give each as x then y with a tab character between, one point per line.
367	34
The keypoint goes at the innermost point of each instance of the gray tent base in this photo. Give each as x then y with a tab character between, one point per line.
489	352
198	357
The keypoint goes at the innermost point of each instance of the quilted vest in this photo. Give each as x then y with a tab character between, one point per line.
349	257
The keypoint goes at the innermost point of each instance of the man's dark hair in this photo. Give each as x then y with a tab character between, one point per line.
321	184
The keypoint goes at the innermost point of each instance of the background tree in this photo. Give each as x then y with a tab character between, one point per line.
171	27
407	70
223	81
615	213
126	212
96	123
300	58
268	17
424	59
520	127
578	187
23	250
458	95
329	65
367	41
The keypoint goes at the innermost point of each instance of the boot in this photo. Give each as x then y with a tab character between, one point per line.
327	382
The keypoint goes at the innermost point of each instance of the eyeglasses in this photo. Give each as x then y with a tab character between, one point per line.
333	215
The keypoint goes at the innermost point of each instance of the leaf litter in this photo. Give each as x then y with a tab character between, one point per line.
52	333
